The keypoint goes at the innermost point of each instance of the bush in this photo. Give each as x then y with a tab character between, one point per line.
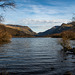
65	41
5	37
68	34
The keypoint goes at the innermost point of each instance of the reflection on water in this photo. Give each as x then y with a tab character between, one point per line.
38	56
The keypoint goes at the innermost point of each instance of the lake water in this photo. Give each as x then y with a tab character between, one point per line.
35	56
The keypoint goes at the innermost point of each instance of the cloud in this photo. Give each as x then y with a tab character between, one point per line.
35	10
29	21
47	11
38	25
40	15
40	9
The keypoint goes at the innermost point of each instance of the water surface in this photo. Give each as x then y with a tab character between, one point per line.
35	56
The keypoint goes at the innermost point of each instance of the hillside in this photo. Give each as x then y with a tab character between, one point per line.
50	31
25	29
17	31
56	30
69	32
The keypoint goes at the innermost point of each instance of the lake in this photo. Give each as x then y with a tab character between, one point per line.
35	56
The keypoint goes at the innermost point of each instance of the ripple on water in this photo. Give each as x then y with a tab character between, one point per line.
38	56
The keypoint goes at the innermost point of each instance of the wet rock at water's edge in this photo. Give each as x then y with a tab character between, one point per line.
67	73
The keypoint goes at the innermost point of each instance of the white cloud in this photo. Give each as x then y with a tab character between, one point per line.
40	17
29	21
38	25
35	11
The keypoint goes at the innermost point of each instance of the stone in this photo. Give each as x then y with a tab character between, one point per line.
67	73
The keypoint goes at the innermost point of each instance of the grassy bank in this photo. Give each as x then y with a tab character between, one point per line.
4	35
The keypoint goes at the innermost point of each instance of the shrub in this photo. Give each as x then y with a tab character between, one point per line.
68	34
65	41
5	37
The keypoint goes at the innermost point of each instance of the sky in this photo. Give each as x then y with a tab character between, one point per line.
40	15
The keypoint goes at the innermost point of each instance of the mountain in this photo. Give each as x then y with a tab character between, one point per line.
49	31
25	29
56	30
17	31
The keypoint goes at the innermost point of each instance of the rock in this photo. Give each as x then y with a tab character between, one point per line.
61	61
74	50
65	58
52	68
67	73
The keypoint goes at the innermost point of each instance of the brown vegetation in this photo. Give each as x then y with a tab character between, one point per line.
65	41
4	35
7	32
21	28
68	34
57	35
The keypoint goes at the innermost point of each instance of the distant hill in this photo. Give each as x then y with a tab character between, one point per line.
56	30
50	31
25	29
17	31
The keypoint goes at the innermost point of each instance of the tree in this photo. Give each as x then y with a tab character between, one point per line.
4	35
4	4
1	18
73	18
7	3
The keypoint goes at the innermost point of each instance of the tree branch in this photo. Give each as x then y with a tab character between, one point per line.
7	3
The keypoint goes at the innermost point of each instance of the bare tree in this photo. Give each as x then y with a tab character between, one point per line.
6	4
4	35
1	18
73	18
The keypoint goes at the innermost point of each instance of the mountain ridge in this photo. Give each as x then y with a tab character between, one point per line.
57	30
18	31
25	29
